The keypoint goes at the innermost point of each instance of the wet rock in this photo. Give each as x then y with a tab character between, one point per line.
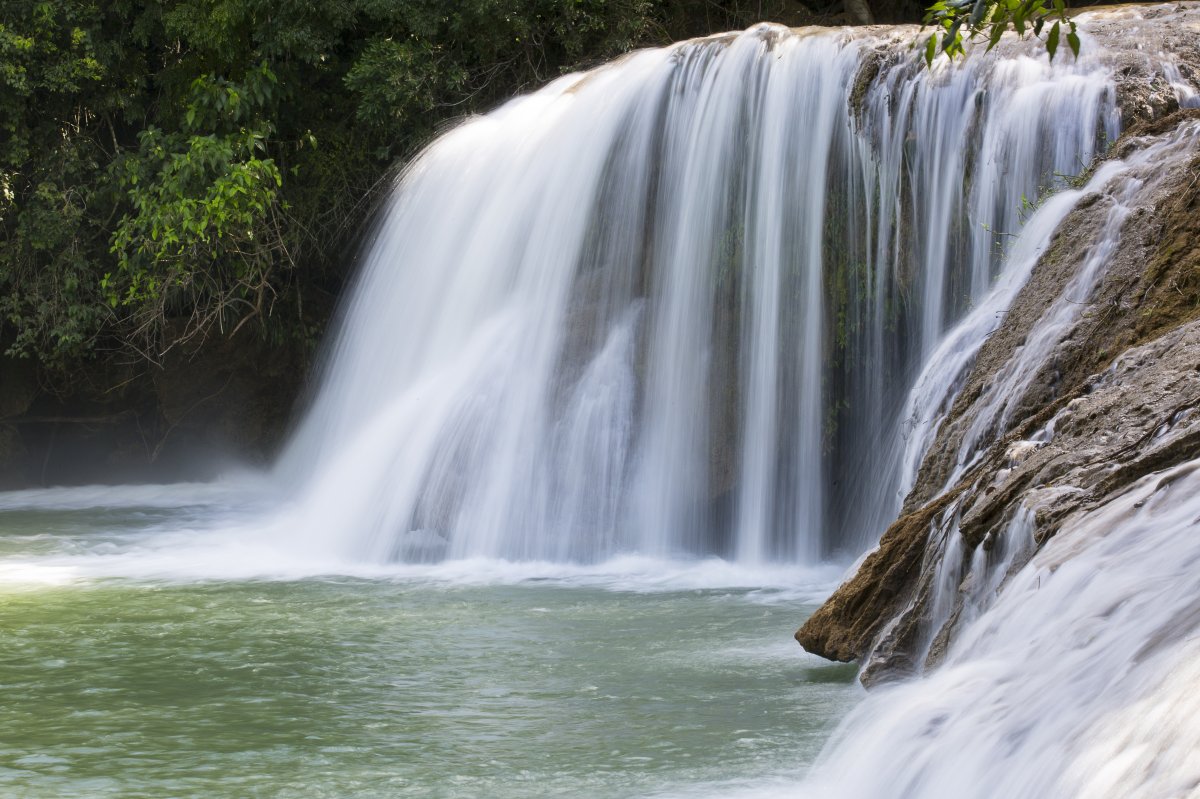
1116	401
846	626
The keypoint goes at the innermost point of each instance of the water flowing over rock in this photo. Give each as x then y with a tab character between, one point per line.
1036	427
674	306
1077	681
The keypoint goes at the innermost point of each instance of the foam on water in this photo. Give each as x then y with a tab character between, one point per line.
189	534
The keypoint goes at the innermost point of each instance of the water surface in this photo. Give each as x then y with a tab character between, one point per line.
129	673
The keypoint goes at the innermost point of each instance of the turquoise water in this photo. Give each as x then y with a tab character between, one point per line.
471	680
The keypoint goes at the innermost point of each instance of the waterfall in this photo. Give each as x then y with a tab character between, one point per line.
674	306
1078	680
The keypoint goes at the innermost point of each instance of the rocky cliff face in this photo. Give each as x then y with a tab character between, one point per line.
1091	382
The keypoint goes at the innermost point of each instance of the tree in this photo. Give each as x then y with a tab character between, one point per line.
174	168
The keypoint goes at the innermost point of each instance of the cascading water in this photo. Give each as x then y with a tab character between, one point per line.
1126	184
1078	680
712	299
673	306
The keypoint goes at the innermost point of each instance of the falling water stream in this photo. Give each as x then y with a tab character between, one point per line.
634	367
673	306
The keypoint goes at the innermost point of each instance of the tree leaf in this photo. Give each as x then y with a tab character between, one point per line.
998	29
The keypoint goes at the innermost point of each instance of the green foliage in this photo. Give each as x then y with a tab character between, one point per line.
48	55
202	235
173	168
957	21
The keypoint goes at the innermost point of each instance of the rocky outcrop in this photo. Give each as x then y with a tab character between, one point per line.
1029	443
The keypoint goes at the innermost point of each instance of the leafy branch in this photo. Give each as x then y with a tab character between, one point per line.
956	22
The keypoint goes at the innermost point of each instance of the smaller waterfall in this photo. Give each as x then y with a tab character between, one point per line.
1076	679
1123	184
1124	194
940	380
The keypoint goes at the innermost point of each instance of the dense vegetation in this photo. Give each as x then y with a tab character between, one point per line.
171	169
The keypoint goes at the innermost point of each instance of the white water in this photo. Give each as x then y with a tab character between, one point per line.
1079	680
1126	187
935	390
672	307
597	331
